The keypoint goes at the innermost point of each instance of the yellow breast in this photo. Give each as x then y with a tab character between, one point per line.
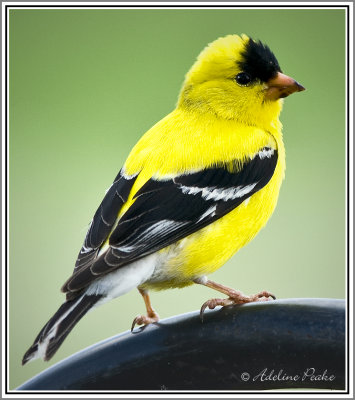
204	251
208	249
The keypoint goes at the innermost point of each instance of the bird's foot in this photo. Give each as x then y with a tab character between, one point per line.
236	297
145	319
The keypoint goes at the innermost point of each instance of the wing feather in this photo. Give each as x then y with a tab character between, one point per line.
104	219
165	211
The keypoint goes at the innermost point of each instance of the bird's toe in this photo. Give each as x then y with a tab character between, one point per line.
145	320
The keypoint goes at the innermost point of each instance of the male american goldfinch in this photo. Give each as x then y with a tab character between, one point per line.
196	188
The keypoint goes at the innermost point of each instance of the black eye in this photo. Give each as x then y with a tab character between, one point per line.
243	78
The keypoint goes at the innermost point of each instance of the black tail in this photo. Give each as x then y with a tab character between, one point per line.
59	326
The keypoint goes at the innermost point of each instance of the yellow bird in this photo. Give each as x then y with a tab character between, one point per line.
197	187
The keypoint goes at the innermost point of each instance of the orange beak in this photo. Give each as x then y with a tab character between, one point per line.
281	86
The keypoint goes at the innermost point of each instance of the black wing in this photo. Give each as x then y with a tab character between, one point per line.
166	211
104	219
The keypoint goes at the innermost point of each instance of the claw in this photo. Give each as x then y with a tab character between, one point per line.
236	297
203	308
144	320
134	322
151	316
265	294
213	303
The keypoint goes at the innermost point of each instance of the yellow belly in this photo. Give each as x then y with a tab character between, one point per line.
206	250
204	141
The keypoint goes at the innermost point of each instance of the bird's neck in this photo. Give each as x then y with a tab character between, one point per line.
263	116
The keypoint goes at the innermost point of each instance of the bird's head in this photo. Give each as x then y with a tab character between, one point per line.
236	77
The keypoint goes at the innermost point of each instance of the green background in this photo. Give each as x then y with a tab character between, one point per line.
86	84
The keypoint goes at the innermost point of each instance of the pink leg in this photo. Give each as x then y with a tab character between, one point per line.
234	296
151	316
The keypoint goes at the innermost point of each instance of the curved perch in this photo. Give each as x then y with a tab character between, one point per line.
255	346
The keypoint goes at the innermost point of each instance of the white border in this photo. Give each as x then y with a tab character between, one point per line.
3	211
179	5
325	4
350	144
